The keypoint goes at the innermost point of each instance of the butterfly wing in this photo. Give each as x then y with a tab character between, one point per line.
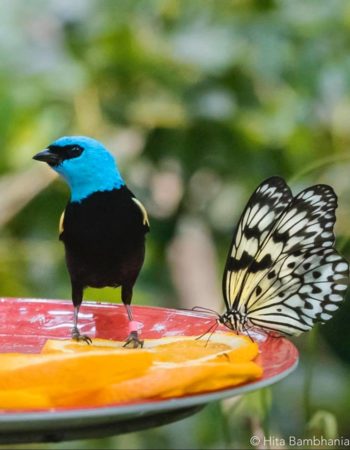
306	288
309	220
254	228
303	278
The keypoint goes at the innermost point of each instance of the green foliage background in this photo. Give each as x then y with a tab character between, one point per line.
214	96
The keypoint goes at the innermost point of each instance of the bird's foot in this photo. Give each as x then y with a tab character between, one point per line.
76	336
133	341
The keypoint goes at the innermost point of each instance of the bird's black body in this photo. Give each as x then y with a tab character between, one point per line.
104	238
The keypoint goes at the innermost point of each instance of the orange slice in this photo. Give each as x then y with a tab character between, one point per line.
68	373
223	346
24	399
176	380
71	371
70	346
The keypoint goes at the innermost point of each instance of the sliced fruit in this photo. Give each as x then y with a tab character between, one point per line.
71	374
71	371
24	399
176	380
70	346
224	346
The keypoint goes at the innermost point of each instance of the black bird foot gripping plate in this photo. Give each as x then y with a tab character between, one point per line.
76	336
133	341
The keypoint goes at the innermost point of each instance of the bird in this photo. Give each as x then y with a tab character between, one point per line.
103	227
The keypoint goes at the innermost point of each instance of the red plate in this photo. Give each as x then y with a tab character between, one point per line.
25	324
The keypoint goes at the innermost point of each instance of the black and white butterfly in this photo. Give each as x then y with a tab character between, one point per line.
282	272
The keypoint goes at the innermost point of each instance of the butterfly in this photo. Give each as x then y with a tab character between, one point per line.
282	272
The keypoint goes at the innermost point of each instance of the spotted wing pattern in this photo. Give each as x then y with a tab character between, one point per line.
254	228
282	272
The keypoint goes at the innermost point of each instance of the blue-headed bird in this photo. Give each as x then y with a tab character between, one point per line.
103	226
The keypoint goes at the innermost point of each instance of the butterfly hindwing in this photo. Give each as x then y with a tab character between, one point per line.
292	276
307	288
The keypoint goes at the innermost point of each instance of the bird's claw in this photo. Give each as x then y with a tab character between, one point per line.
133	340
76	336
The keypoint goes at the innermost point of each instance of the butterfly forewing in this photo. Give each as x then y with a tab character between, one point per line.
309	220
254	227
291	277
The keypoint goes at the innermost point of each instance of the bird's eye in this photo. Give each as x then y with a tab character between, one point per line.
75	151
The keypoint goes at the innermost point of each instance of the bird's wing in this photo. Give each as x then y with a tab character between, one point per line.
60	225
143	210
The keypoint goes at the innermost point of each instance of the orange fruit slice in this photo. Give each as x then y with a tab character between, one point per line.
70	346
224	346
69	373
24	399
175	380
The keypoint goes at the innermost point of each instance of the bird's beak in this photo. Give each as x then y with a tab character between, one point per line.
48	156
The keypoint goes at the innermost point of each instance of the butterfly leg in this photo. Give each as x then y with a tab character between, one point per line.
209	331
246	330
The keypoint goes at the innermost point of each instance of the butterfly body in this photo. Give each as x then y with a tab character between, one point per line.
282	272
235	320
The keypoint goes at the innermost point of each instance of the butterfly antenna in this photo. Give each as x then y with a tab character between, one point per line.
200	309
205	310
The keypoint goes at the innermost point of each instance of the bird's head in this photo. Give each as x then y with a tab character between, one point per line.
84	163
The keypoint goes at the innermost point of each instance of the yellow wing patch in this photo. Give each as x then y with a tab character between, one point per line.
143	210
60	226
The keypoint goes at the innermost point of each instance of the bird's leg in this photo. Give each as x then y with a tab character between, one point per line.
133	338
77	296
